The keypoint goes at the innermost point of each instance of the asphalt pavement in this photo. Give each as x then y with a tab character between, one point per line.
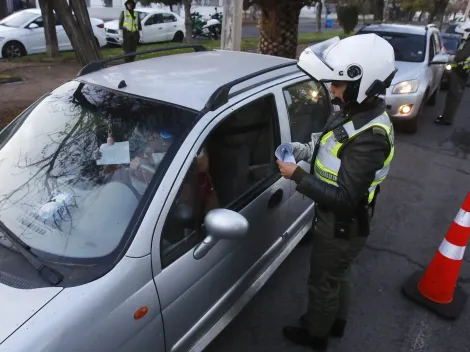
429	179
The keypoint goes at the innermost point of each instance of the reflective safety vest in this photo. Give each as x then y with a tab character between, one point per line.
327	163
464	64
130	23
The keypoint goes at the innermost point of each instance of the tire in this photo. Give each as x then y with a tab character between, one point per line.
433	99
13	49
178	37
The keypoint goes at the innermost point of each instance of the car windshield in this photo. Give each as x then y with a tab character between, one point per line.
75	168
451	44
18	19
407	47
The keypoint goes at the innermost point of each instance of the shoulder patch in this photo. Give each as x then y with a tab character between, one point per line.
378	130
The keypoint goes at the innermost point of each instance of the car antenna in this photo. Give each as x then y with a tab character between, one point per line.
122	84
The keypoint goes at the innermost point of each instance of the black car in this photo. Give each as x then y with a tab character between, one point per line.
451	44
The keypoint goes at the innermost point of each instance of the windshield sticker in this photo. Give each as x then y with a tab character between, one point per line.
115	154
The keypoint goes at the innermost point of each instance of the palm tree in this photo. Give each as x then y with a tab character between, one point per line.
279	25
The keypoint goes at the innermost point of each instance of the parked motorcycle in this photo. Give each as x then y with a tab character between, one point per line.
219	17
206	29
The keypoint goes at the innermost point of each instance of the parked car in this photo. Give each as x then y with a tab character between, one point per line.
157	26
420	60
451	44
22	33
154	241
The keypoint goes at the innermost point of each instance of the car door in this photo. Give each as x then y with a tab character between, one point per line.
433	69
196	293
306	106
152	29
34	40
439	49
170	24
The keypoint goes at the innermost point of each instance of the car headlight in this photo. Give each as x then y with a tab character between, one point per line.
448	67
406	87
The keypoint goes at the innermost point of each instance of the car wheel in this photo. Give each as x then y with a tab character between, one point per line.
13	49
433	99
178	37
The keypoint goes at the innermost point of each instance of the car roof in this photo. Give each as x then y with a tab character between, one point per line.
35	11
395	28
187	79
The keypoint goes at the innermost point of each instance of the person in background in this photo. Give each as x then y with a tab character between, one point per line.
349	159
458	78
130	29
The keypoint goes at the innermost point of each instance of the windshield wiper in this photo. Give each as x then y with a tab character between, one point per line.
45	272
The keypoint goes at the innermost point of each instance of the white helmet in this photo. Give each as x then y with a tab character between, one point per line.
463	29
366	59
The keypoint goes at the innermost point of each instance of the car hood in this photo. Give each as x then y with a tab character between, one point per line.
407	71
114	24
4	29
20	304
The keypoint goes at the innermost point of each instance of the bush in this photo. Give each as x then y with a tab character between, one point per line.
347	17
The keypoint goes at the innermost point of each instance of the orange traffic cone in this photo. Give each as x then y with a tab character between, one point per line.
436	289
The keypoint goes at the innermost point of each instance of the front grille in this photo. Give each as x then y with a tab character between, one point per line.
113	31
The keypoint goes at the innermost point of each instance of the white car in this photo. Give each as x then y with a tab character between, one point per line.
22	33
157	26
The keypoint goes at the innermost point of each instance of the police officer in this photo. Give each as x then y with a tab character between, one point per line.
131	29
458	78
349	159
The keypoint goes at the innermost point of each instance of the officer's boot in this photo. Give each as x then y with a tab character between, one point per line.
337	330
300	336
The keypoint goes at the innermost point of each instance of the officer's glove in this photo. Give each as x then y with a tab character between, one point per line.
121	36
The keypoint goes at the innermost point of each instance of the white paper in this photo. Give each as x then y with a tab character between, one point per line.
118	153
285	152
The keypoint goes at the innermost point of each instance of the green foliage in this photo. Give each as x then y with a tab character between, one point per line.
347	17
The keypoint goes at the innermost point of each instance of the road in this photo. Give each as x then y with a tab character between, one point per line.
428	182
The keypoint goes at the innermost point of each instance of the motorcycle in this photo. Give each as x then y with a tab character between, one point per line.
207	29
219	17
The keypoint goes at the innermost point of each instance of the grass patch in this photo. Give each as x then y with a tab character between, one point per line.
6	78
248	44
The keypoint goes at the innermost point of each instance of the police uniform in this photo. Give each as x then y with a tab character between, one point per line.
458	81
350	159
129	23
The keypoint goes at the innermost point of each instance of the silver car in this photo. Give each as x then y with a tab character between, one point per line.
141	206
421	60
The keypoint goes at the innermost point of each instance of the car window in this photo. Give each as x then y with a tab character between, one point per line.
18	19
168	18
54	193
432	47
40	22
308	107
436	43
451	44
154	19
235	165
407	47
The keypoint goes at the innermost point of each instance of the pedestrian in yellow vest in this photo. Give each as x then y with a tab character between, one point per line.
131	29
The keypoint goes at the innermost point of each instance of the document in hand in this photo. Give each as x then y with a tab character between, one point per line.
285	152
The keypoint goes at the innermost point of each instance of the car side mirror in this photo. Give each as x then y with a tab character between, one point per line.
33	26
440	59
221	224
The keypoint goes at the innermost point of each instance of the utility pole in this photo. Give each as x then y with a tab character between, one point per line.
467	10
232	25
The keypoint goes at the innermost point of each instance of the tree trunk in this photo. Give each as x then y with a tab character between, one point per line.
52	45
319	11
3	9
420	16
78	29
279	30
188	23
378	10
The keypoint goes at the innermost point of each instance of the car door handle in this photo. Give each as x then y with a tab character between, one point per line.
159	27
276	198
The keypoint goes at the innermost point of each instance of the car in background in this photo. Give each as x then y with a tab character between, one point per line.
22	33
420	59
157	243
157	26
451	44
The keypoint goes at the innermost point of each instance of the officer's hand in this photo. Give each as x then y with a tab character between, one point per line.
286	169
